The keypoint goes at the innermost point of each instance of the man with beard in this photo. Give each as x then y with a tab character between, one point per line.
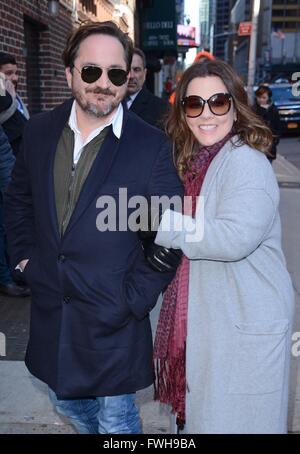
140	100
92	287
14	117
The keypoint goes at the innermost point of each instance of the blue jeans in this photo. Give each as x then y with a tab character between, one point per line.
101	415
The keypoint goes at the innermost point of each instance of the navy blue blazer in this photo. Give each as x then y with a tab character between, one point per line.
150	108
92	291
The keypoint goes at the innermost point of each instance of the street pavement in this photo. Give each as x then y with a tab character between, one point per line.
24	404
289	148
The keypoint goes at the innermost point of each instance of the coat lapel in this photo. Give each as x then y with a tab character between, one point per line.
140	102
215	166
59	118
97	173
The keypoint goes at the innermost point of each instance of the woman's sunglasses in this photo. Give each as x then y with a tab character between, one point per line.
219	104
90	74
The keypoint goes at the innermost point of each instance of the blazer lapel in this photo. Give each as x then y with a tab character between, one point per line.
59	119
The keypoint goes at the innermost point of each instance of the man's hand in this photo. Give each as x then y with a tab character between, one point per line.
2	84
159	258
9	86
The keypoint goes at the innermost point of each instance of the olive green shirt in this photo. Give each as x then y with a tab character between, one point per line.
68	178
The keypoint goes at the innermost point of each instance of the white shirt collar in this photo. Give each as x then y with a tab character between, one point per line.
116	122
131	98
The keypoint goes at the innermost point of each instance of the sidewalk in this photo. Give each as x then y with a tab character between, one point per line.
25	407
287	174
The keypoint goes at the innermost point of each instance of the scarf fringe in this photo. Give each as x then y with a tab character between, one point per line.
170	384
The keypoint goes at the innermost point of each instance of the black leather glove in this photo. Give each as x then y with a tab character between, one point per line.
159	258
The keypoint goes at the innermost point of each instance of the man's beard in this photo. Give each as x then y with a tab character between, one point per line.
94	109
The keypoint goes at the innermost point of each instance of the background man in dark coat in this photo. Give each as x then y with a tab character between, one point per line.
7	160
92	289
140	100
15	117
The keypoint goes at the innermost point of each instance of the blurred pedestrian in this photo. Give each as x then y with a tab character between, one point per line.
266	109
7	285
15	117
222	348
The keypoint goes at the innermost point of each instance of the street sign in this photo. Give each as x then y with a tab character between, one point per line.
159	26
245	28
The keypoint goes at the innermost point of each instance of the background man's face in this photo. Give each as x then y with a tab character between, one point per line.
102	97
10	72
137	75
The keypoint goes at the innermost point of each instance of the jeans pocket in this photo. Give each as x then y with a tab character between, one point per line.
259	357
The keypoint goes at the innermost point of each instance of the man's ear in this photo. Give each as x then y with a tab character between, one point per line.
145	74
69	76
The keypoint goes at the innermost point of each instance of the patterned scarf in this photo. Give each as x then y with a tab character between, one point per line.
170	340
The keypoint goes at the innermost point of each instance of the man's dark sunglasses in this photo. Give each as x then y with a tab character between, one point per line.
90	73
219	104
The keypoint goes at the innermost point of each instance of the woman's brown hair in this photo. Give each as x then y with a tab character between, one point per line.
248	127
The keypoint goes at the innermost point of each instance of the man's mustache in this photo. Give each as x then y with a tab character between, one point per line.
100	91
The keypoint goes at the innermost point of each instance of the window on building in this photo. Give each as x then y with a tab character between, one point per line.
89	6
291	25
293	12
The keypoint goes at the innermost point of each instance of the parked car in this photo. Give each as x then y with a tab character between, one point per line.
288	106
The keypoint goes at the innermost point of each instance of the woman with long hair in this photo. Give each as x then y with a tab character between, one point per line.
222	347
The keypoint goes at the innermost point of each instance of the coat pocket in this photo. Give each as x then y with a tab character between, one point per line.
259	359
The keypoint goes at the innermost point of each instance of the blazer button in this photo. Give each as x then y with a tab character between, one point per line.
67	299
61	257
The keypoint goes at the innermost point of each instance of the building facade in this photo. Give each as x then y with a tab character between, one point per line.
285	37
37	39
221	28
207	10
278	40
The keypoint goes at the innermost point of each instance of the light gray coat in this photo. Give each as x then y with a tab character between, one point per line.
241	299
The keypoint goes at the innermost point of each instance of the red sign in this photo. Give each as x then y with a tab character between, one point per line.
245	28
